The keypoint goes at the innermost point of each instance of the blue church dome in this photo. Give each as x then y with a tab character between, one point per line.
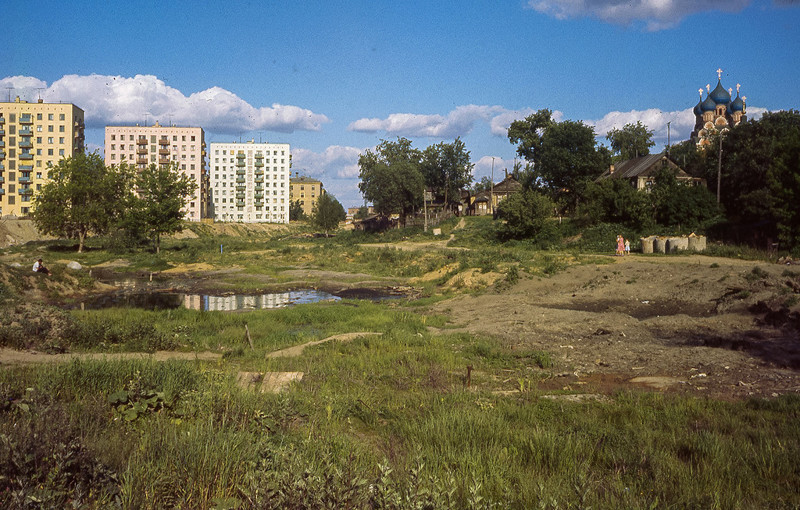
737	105
720	95
708	105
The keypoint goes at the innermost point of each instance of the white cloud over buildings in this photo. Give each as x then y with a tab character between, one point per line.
653	15
110	100
335	160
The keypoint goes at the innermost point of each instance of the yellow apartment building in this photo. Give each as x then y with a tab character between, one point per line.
33	138
305	190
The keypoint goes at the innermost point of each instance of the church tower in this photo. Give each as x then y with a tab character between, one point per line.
717	112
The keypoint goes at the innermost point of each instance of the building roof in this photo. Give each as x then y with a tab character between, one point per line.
304	180
508	185
643	166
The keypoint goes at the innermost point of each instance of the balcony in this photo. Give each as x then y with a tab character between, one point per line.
240	187
25	144
163	161
163	152
240	195
2	132
2	120
24	179
25	120
163	141
259	163
141	141
259	180
259	172
240	171
141	150
240	180
26	156
141	161
2	143
25	132
259	187
240	163
2	191
26	191
26	168
259	196
2	154
2	179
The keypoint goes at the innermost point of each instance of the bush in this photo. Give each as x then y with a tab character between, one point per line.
528	215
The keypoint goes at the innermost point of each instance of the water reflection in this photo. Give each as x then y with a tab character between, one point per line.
202	302
259	302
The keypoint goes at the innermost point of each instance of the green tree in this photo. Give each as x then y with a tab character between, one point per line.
82	197
527	215
328	212
391	178
683	206
632	141
616	201
362	213
296	212
565	155
162	193
447	169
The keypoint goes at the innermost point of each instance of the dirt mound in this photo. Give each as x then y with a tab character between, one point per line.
13	232
721	327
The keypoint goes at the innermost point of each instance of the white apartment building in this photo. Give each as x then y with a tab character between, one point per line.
141	146
249	182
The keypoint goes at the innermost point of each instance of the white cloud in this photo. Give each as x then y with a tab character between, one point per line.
335	160
652	14
458	122
124	100
680	127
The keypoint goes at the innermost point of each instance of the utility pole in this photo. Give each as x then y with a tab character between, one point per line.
668	123
491	193
719	168
425	206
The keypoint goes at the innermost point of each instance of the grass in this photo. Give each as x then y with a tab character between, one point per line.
389	421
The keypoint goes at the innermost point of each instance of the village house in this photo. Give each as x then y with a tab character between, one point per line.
641	172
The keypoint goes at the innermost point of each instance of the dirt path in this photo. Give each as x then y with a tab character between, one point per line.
12	357
686	321
297	350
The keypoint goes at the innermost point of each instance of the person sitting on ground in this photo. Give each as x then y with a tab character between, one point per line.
38	267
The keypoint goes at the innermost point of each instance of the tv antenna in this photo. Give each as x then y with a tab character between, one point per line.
40	89
9	93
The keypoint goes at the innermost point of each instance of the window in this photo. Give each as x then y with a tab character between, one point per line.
193	138
49	139
38	129
60	152
50	128
38	116
152	138
49	116
61	117
61	140
38	139
49	152
61	128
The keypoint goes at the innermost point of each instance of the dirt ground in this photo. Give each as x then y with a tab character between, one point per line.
691	324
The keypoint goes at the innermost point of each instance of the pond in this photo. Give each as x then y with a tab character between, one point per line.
165	300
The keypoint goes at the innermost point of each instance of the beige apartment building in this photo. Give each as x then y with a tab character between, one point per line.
33	138
141	146
306	191
249	182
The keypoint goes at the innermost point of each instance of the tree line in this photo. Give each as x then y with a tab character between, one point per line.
85	197
759	167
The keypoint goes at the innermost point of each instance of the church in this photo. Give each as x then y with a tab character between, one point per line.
718	112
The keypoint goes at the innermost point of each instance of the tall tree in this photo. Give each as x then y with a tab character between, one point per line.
565	155
328	212
391	178
632	141
158	209
82	197
296	212
527	214
447	169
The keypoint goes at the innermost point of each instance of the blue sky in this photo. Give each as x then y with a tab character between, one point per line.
334	78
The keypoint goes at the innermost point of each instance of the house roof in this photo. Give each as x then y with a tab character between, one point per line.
508	185
303	179
643	166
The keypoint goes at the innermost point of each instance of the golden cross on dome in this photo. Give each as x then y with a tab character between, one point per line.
719	73
700	90
737	88
730	90
708	88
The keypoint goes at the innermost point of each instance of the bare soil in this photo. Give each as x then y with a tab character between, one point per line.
689	324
